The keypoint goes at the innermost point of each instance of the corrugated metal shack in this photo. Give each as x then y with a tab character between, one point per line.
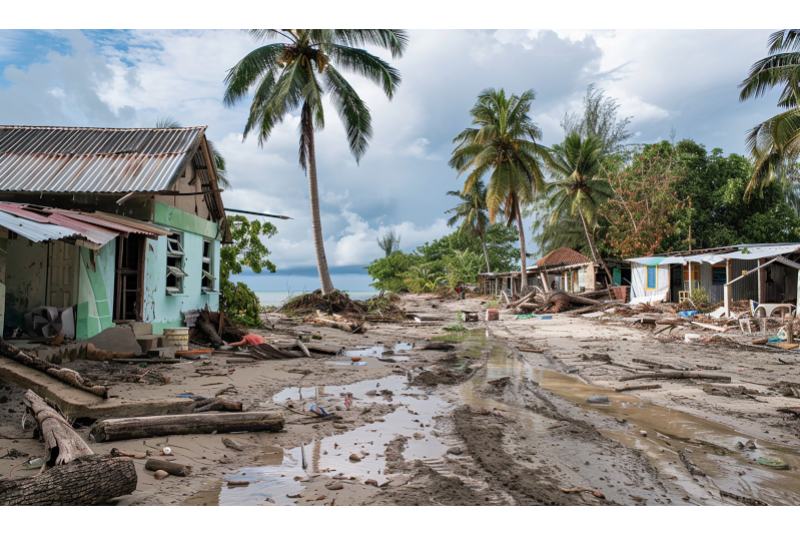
765	273
106	226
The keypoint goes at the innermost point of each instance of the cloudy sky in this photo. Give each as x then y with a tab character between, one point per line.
684	80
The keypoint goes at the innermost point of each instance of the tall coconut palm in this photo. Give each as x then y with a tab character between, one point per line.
580	187
219	160
503	144
472	212
298	72
775	143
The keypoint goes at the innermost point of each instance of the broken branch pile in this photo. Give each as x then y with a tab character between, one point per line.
64	375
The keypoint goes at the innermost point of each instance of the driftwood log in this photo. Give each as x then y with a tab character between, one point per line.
173	469
678	375
268	352
65	375
159	426
87	480
209	330
203	404
61	444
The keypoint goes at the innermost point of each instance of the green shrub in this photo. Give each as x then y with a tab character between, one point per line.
699	296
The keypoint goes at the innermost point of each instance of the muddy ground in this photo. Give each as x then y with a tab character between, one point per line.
445	427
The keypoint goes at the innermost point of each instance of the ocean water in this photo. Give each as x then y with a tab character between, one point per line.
277	298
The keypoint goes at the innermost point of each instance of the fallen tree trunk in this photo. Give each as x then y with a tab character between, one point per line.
269	352
204	404
322	348
88	480
65	375
159	426
678	375
209	331
639	387
61	444
173	469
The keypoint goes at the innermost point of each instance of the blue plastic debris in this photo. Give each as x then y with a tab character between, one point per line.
687	313
319	411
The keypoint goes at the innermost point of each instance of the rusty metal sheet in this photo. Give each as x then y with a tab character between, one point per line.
54	159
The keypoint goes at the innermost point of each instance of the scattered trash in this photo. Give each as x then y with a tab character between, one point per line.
775	464
598	399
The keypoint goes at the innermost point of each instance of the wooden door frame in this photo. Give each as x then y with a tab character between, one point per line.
119	275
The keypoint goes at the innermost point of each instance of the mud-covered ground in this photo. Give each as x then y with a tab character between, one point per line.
444	427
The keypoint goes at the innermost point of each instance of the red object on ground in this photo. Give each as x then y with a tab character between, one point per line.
253	340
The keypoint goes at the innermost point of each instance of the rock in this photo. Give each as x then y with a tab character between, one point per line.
597	399
355	458
371	393
371	482
160	474
334	486
455	450
270	500
399	481
3	399
419	436
238	483
643	432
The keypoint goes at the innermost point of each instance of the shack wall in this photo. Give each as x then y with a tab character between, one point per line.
95	291
26	279
164	310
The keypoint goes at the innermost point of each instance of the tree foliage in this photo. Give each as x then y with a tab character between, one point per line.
775	143
247	250
599	119
445	262
390	242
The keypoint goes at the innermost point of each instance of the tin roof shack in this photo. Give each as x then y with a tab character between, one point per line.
104	226
562	269
766	273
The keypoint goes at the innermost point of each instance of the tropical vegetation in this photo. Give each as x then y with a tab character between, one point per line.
299	72
503	145
775	143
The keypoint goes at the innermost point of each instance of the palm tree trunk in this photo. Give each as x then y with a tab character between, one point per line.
486	254
593	248
523	287
316	222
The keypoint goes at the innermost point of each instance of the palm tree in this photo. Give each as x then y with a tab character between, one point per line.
580	189
472	210
219	161
775	143
390	242
504	144
297	73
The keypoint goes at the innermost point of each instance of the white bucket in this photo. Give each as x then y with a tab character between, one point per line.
177	338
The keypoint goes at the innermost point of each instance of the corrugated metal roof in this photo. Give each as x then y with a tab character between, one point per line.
40	224
53	159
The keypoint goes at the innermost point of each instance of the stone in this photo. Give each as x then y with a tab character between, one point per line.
160	474
355	458
399	481
419	436
334	486
455	450
118	339
371	482
598	399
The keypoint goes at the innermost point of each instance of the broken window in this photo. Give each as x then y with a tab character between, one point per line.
209	282
175	273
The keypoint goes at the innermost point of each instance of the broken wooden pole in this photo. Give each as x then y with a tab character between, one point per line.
61	444
173	469
159	426
678	375
639	387
64	375
88	480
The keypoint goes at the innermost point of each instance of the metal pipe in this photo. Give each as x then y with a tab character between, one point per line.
282	217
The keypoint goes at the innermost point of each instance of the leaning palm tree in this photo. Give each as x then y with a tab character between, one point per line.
580	187
775	143
219	161
298	73
472	212
503	144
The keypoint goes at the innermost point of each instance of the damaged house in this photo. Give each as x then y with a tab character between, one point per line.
764	273
563	269
100	227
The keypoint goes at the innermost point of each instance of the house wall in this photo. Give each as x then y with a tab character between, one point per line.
95	291
195	204
26	279
747	288
164	310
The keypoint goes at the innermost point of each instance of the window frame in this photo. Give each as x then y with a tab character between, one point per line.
176	256
207	275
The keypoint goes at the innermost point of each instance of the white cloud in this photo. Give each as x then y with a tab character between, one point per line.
418	148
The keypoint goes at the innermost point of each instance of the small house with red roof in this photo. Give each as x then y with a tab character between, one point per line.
563	269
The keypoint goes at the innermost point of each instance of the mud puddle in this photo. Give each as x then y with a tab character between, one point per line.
382	352
413	418
714	448
717	450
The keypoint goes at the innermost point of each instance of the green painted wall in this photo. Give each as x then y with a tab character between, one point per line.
95	291
164	310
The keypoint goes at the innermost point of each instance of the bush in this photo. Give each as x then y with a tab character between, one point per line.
699	296
241	305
